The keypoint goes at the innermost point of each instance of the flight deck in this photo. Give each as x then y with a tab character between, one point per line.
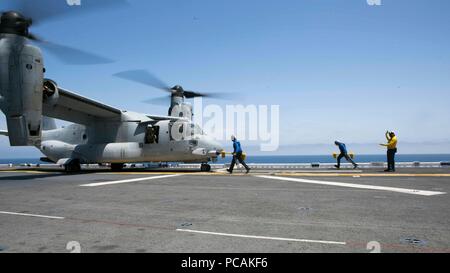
180	209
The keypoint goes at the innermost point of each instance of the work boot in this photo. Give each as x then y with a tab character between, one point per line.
248	170
356	166
229	171
337	167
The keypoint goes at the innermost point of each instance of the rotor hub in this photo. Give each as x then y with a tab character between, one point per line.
12	22
177	90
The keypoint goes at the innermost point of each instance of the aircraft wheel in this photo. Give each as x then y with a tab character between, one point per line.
73	167
205	168
117	167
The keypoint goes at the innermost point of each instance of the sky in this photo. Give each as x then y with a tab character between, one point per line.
339	69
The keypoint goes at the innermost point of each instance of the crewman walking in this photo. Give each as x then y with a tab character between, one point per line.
237	155
343	154
391	150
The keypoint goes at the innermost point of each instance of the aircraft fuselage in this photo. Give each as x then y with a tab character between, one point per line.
127	142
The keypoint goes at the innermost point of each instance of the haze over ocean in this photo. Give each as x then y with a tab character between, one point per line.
292	159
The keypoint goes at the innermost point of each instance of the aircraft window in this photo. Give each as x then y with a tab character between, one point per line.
152	135
193	143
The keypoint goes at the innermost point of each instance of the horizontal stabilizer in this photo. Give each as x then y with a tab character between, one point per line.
160	118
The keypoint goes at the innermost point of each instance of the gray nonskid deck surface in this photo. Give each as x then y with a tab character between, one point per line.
193	212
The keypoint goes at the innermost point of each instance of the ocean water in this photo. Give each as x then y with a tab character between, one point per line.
295	159
330	159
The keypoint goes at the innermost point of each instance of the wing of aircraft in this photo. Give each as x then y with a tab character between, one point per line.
78	109
75	108
3	133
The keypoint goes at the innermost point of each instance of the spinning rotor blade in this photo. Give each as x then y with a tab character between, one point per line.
70	55
146	78
74	56
220	96
192	94
18	16
164	101
143	77
45	10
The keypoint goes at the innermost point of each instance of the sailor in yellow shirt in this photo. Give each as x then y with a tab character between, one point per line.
392	150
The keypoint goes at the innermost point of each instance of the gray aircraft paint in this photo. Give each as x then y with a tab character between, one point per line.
100	133
124	142
21	81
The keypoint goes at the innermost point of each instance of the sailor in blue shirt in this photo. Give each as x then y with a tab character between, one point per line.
237	155
344	154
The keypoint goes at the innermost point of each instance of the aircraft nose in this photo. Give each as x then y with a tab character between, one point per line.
213	146
216	146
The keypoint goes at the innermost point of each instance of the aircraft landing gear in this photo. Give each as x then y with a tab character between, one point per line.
117	167
205	167
73	167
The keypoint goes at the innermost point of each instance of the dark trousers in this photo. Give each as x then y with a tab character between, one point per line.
349	159
238	157
391	159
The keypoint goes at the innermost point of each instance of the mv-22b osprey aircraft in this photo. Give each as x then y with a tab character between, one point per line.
100	134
